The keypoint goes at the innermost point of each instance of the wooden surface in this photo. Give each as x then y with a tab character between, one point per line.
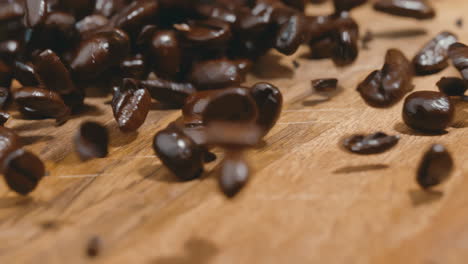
308	201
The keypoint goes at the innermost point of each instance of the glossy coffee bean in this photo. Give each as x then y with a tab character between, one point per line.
435	167
91	23
42	102
235	173
35	12
108	8
6	74
165	52
346	5
292	34
345	49
209	32
25	73
4	96
23	171
130	105
458	53
91	141
9	142
135	15
433	57
216	74
52	73
386	87
269	101
419	9
325	85
135	67
169	92
452	86
219	12
4	116
428	111
179	153
370	144
97	54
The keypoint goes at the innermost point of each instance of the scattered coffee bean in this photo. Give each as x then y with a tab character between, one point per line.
370	144
292	34
235	173
433	57
325	85
435	167
91	141
133	16
9	142
93	249
216	74
419	9
22	171
36	12
91	23
169	92
345	48
269	101
167	54
452	86
386	87
458	53
428	111
25	74
52	73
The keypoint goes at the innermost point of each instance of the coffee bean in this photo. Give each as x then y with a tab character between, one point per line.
346	5
458	53
235	173
452	86
419	9
9	50
292	34
216	74
269	101
4	118
216	11
135	67
428	111
10	11
435	167
4	96
206	33
325	85
91	23
35	12
93	249
345	48
375	143
130	105
386	87
23	171
109	7
433	57
25	74
52	73
135	15
6	75
91	141
42	102
9	142
179	153
168	92
166	53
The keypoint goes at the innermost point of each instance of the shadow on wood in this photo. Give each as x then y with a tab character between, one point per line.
197	251
404	129
360	168
269	67
421	197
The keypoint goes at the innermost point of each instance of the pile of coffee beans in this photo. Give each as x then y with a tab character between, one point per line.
194	55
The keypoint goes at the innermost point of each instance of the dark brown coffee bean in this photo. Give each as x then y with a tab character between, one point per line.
292	34
216	74
62	25
25	74
235	173
135	15
179	153
458	53
52	73
109	7
93	249
346	5
10	11
195	105
428	111
130	105
91	23
4	96
435	167
6	75
433	57
345	49
135	67
91	141
42	102
4	118
36	12
216	11
419	9
165	52
9	142
97	54
269	101
452	86
325	85
168	92
206	33
9	50
370	144
23	171
386	87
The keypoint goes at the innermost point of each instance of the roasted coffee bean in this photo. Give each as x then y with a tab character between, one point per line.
235	173
216	11
91	141
93	249
216	74
452	86
97	54
135	15
4	118
109	7
91	23
35	12
195	105
179	153
135	67
23	171
4	96
10	11
9	142
325	85
206	33
9	50
6	75
458	53
428	111
419	9
269	101
52	73
370	144
384	88
166	54
346	5
435	167
130	105
25	74
168	92
433	57
292	34
231	104
345	49
42	102
62	26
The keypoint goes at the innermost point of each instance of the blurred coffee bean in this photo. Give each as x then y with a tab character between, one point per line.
10	11
23	171
375	143
4	116
292	34
325	85
419	9
269	101
52	73
6	75
433	57
216	74
135	15
91	23
35	12
452	86
91	141
135	67
165	53
169	92
9	142
435	167
25	74
458	53
108	8
9	50
206	33
235	173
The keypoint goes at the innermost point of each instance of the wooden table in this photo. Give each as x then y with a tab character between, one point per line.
308	201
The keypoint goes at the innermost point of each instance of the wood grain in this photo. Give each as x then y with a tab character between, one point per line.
308	202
